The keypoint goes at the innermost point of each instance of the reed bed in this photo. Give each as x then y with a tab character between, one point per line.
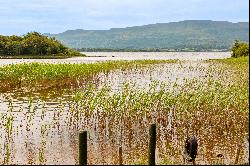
60	75
216	114
215	108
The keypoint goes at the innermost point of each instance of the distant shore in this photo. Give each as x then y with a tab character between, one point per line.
37	57
153	50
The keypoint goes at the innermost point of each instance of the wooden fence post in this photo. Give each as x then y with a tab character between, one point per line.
120	155
83	148
152	144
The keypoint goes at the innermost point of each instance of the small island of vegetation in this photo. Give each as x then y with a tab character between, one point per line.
34	45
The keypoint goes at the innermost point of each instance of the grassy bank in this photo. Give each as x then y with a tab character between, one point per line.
232	61
49	75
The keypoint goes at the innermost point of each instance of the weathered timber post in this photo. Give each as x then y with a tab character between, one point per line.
120	155
152	144
83	148
191	149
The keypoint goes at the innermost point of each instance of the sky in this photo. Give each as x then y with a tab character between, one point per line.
55	16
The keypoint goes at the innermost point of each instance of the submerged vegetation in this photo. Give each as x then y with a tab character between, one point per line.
59	75
33	44
214	108
216	114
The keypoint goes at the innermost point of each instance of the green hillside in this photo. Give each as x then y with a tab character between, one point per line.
190	35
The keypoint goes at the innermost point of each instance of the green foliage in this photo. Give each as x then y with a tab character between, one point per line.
240	49
33	44
39	73
192	35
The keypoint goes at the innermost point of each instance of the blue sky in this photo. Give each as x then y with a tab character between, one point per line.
55	16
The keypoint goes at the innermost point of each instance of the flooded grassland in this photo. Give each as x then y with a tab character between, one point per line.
42	115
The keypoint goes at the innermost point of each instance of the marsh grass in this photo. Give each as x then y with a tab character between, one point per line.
61	75
214	108
217	114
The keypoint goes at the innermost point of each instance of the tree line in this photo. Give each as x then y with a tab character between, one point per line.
240	49
34	44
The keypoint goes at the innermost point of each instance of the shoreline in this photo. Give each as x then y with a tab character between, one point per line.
92	52
100	57
37	57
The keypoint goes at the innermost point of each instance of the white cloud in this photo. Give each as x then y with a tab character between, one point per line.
60	15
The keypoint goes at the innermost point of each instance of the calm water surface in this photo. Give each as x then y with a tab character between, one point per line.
104	56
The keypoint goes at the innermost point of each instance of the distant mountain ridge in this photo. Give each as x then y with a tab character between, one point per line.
188	34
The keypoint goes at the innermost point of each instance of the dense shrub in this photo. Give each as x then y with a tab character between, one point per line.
240	49
33	43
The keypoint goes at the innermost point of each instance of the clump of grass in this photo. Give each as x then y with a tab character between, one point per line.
232	61
60	75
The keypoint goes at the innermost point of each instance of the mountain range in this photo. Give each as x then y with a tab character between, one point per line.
188	34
